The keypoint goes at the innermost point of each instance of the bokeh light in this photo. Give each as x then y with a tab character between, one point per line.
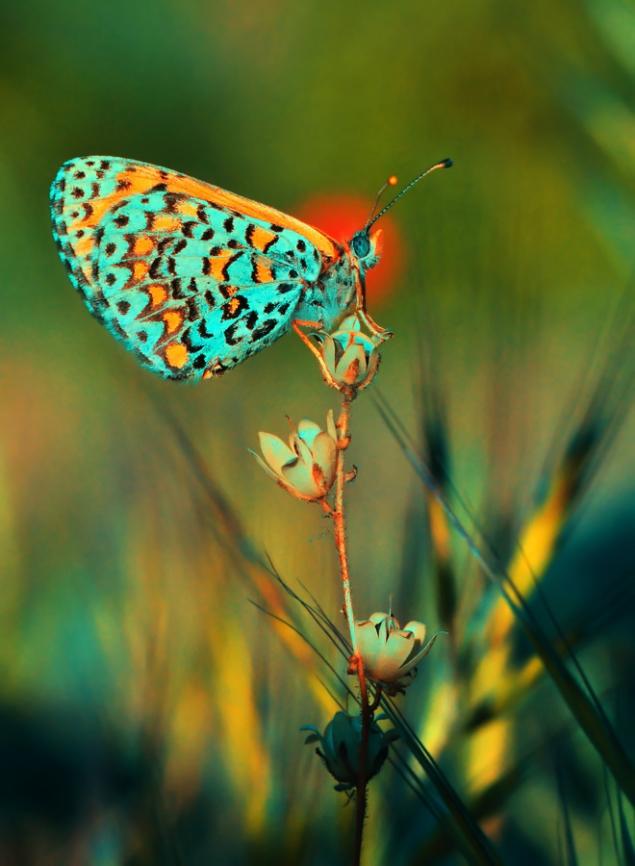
340	215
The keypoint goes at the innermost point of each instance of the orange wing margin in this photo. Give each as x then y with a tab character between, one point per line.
139	178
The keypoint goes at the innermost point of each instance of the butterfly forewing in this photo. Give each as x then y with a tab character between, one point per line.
190	277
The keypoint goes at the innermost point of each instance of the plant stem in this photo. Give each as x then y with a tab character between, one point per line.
339	521
339	527
360	793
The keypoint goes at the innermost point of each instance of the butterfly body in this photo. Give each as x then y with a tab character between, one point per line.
191	278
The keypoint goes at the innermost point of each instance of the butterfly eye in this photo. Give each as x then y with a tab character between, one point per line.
361	244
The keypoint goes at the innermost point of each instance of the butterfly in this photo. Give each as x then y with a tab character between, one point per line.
194	279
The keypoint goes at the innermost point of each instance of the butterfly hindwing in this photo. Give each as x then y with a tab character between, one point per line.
189	282
188	294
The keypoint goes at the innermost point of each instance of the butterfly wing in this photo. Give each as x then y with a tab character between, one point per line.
191	278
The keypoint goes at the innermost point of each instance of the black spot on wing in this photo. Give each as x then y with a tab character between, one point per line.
190	345
230	335
177	288
192	310
202	329
262	330
228	264
233	308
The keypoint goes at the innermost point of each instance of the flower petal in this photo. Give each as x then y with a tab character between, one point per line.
328	354
378	616
276	452
302	450
300	477
421	654
417	628
331	429
368	643
351	368
395	651
264	466
324	455
308	430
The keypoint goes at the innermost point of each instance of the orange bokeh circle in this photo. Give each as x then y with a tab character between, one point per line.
340	216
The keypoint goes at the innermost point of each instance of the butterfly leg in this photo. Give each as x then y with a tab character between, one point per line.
375	329
360	308
297	325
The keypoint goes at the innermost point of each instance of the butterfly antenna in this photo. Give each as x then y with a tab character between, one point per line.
393	180
445	163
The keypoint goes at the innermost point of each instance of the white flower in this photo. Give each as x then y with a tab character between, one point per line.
350	355
390	653
306	466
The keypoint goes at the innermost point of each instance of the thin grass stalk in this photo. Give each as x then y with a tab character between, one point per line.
585	707
567	829
628	849
475	843
329	690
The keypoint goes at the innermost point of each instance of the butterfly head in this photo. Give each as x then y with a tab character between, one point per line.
366	247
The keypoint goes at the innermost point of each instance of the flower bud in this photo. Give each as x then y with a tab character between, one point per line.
390	653
350	356
306	466
340	748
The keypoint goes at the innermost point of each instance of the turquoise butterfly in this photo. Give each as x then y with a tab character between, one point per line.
194	279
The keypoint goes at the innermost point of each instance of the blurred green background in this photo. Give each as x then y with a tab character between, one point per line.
149	712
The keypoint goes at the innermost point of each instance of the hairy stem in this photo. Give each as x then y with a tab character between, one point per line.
339	526
339	520
360	793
